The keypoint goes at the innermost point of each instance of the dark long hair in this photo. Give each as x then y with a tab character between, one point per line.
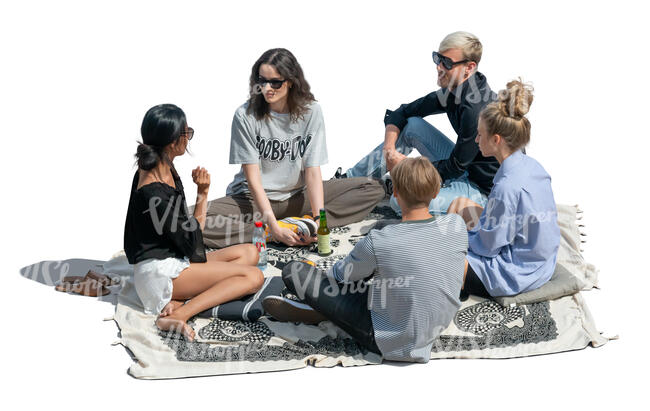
286	64
161	126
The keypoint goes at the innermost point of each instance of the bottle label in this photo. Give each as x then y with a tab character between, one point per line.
261	246
324	244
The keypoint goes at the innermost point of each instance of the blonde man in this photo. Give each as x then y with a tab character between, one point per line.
399	287
463	94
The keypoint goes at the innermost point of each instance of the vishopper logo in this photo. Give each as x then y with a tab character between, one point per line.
169	219
496	216
232	221
202	351
170	216
472	91
256	89
308	279
47	272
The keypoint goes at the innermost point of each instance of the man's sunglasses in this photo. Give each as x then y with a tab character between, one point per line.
189	133
446	61
275	84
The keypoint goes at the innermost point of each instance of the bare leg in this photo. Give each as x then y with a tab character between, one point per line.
241	254
466	208
170	307
208	284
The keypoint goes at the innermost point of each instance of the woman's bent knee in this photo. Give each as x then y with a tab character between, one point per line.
256	279
251	254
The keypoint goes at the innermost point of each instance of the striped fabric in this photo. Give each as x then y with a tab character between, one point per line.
414	292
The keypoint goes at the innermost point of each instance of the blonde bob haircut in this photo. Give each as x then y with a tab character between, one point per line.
468	43
416	181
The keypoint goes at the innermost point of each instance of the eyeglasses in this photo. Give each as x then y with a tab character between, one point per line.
189	133
446	61
274	83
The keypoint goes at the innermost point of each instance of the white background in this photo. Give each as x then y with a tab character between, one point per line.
77	77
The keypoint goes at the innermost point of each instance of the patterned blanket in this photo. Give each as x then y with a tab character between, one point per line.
481	328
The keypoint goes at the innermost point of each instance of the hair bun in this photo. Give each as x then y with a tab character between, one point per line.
516	99
147	156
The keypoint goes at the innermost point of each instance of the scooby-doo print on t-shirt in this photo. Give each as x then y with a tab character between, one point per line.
282	148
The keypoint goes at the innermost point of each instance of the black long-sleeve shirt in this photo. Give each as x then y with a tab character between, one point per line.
462	106
158	225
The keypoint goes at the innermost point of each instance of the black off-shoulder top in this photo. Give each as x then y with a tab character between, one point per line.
158	224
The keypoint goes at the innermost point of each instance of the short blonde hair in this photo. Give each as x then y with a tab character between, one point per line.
468	43
416	181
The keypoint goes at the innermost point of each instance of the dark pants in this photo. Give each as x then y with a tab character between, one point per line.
473	285
349	310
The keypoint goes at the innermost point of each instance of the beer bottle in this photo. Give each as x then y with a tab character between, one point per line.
323	236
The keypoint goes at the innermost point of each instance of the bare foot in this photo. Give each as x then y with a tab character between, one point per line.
175	325
170	307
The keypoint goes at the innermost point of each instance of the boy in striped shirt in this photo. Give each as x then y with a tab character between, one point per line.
399	287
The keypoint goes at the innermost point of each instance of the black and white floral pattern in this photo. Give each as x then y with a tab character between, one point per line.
254	346
497	327
327	262
480	319
236	331
492	325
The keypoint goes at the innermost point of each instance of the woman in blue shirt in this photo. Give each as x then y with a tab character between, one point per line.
513	242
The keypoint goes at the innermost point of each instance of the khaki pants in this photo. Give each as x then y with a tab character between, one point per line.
230	220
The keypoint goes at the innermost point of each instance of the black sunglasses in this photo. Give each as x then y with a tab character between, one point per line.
189	133
275	84
446	61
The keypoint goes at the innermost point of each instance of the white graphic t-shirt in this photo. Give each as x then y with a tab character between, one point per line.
282	148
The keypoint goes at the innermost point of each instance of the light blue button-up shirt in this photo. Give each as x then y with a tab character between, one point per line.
514	246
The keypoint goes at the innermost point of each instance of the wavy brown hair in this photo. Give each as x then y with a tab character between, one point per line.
299	95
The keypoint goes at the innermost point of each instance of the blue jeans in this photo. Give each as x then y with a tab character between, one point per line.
430	142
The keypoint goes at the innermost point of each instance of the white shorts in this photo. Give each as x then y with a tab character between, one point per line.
153	281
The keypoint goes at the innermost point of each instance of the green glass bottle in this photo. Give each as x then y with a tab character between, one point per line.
323	236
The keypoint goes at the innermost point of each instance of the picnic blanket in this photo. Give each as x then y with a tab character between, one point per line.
480	329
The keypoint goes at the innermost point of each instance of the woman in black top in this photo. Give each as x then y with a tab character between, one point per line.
166	244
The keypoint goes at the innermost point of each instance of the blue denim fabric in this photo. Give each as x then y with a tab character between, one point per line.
432	143
417	134
452	189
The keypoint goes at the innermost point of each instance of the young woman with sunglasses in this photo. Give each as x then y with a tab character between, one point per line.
278	136
165	243
513	244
